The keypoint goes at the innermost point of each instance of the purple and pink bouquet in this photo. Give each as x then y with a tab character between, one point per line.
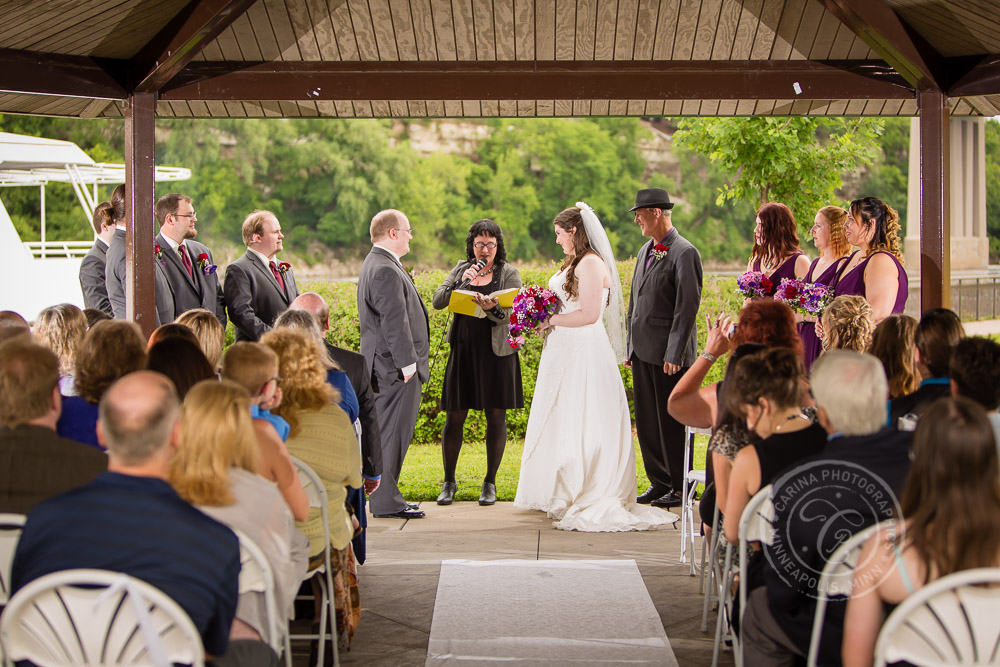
532	305
754	285
803	297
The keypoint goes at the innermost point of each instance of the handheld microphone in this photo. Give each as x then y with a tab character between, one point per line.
478	267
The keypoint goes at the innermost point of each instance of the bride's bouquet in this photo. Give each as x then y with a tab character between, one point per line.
803	297
532	305
754	285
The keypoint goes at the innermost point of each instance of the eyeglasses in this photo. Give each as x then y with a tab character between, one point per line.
192	214
408	230
480	246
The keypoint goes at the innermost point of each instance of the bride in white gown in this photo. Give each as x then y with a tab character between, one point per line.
579	462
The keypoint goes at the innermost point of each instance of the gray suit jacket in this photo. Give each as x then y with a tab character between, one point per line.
254	298
114	273
203	291
663	307
92	280
395	329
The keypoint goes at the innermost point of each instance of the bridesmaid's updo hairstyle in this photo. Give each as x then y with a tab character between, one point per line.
778	234
873	212
118	204
486	227
835	218
774	373
567	220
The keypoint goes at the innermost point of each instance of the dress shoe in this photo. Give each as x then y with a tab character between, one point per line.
413	506
667	501
402	514
651	494
489	494
448	490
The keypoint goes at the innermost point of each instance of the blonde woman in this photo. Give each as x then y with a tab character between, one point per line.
61	328
208	330
847	324
322	436
829	238
215	468
893	344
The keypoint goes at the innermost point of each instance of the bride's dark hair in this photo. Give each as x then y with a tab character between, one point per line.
569	219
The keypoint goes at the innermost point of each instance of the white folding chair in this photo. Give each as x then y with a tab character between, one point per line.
837	579
692	478
96	618
714	569
256	576
316	493
950	621
10	534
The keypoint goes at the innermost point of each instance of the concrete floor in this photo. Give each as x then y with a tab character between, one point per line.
399	581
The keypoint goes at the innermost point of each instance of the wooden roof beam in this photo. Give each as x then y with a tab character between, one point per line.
50	74
200	22
981	79
551	80
875	22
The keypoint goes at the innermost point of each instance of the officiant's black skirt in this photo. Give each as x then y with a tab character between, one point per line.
476	378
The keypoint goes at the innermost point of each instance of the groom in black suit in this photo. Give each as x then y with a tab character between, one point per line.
662	340
258	287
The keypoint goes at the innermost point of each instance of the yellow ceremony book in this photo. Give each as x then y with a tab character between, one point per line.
463	301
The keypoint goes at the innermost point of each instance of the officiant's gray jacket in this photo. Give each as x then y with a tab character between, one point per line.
663	304
500	317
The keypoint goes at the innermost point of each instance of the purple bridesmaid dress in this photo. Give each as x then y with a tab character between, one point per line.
785	270
853	282
807	330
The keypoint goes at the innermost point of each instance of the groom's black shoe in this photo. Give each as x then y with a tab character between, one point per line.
403	514
448	490
651	494
413	506
669	500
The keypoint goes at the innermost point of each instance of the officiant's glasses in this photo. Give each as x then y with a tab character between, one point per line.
481	246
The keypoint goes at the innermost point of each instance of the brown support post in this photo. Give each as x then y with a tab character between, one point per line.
935	198
140	290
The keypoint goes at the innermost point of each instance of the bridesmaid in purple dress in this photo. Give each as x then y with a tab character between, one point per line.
875	270
776	251
828	236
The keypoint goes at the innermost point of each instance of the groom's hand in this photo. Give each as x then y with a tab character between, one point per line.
670	368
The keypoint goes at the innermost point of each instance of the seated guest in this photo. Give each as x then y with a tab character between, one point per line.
61	328
37	462
169	330
255	367
937	333
847	324
215	469
323	437
129	520
892	344
94	316
975	374
12	325
778	622
769	395
951	514
180	360
109	350
208	330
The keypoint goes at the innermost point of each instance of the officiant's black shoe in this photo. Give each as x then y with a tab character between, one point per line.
448	490
402	514
489	494
651	494
667	501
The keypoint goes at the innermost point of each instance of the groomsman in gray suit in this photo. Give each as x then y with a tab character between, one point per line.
187	264
395	342
662	341
92	280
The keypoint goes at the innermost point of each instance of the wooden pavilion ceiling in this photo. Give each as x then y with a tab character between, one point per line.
378	58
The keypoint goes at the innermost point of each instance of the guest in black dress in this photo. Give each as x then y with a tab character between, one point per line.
483	371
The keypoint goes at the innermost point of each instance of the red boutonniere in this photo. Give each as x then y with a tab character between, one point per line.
659	252
283	267
206	267
158	252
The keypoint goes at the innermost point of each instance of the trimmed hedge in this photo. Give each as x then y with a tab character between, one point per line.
718	295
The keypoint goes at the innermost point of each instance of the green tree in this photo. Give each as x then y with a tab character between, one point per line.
796	160
993	187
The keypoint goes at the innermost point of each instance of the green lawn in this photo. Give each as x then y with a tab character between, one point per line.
423	473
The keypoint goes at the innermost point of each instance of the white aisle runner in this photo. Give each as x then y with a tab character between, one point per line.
545	612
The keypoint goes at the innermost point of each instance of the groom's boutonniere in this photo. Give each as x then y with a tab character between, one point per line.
283	267
659	252
158	252
206	267
409	274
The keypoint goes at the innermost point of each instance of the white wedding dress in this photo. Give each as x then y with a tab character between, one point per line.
578	463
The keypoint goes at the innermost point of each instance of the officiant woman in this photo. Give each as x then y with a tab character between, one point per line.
483	371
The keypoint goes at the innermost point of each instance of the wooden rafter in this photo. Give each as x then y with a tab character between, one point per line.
52	74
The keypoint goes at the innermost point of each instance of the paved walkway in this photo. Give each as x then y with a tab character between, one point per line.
399	582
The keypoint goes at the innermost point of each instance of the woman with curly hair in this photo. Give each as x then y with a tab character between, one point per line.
847	324
61	328
893	344
875	271
323	437
829	238
776	252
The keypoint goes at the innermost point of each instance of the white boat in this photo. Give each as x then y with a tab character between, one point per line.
38	274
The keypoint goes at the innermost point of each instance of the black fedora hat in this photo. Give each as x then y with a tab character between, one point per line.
652	198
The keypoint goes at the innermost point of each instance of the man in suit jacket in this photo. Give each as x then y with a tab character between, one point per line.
662	340
258	288
92	281
187	264
395	342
